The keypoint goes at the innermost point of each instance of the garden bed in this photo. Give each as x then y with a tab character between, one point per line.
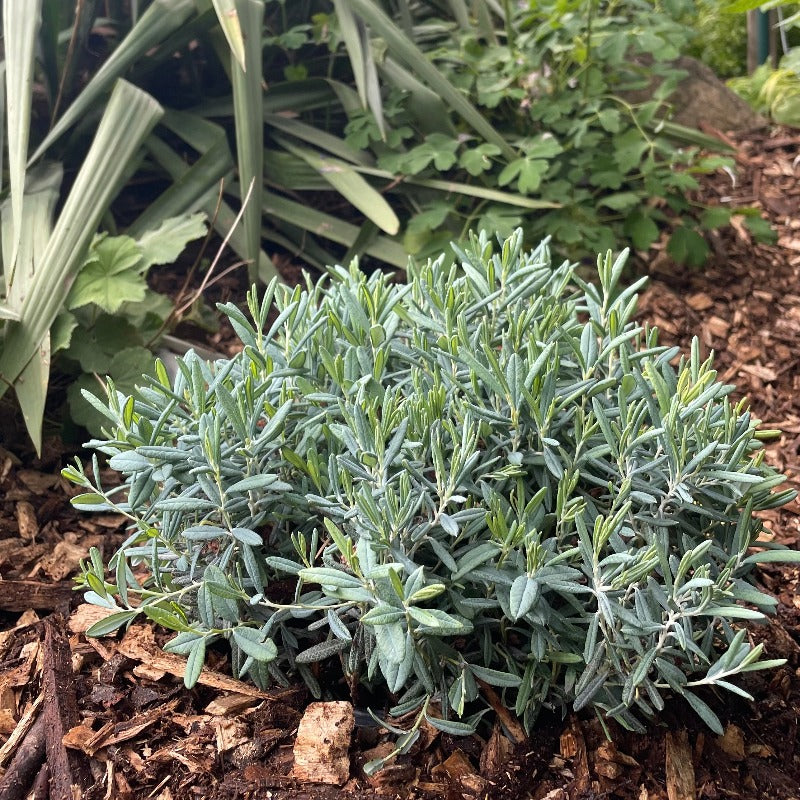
113	715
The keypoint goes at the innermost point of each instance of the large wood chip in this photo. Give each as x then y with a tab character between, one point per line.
679	767
322	744
85	615
64	559
230	733
458	769
762	373
387	779
22	595
139	644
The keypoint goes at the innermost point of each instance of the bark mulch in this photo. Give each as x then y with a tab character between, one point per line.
110	718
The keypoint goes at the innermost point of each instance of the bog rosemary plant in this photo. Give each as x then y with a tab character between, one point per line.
489	475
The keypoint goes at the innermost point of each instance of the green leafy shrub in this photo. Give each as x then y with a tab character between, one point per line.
774	92
384	133
720	39
555	80
112	317
490	474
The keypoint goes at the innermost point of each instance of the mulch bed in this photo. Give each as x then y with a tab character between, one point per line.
110	718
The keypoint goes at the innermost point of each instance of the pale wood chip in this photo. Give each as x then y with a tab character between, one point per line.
228	704
760	372
139	644
26	519
7	721
322	743
230	733
86	615
699	301
148	672
718	326
679	767
22	727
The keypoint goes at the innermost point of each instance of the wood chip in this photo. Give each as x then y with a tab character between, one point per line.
322	744
679	767
608	751
512	725
64	559
7	721
497	752
139	644
762	373
26	763
718	326
83	737
148	672
454	767
760	751
699	301
226	705
732	743
387	779
26	519
23	726
230	733
572	741
22	595
20	675
86	615
37	482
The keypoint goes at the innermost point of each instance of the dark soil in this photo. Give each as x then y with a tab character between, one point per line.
111	715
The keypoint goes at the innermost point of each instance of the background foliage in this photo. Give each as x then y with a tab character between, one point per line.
338	129
720	37
774	92
489	475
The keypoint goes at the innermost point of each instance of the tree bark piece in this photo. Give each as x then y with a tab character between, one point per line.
26	762
679	767
322	744
573	747
69	774
41	786
139	644
22	595
511	723
497	751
